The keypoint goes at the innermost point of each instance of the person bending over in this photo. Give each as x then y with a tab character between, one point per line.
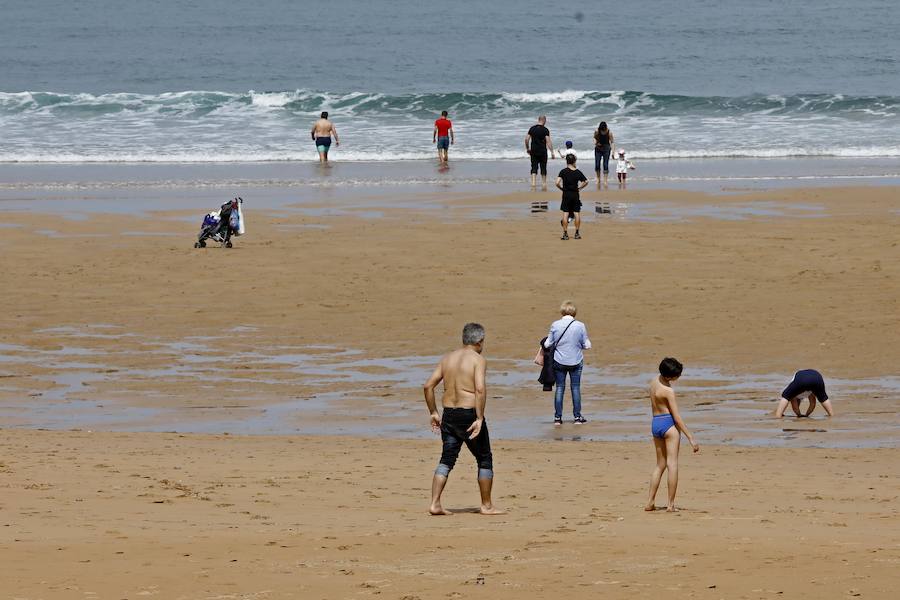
807	383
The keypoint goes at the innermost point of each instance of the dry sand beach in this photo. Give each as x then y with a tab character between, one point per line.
324	320
116	515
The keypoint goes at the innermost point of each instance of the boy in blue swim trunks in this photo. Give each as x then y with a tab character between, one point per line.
666	428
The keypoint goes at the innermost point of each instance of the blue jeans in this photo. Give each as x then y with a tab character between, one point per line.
601	158
574	372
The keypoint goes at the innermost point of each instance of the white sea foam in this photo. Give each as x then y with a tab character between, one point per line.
387	155
213	126
547	97
272	99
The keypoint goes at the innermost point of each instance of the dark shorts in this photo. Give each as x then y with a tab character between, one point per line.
807	380
570	203
538	160
443	142
454	423
323	142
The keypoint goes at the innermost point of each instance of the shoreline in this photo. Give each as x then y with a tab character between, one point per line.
697	174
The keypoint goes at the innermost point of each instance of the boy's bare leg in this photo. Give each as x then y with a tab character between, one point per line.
577	221
544	182
782	406
533	180
660	446
673	444
795	406
487	507
437	488
564	221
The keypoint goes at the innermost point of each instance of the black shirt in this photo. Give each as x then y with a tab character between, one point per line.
570	180
601	140
538	135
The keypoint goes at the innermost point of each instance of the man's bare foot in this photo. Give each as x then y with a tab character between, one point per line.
650	507
438	510
491	510
671	509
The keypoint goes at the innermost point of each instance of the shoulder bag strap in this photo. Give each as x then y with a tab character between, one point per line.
556	343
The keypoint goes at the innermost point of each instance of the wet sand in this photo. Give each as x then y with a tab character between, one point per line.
327	317
328	308
125	515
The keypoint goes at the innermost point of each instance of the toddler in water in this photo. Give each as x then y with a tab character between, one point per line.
569	150
622	167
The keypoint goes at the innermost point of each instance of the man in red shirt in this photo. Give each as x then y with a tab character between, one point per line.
443	136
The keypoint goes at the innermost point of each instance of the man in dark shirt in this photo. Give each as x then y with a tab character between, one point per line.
537	143
571	181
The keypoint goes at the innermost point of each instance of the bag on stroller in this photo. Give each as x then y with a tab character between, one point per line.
222	225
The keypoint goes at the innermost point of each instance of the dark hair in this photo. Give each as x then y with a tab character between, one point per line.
601	130
324	114
670	368
570	159
443	113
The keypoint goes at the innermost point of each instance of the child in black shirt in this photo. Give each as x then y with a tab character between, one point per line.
570	180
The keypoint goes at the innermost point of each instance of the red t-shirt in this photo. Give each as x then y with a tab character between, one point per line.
443	126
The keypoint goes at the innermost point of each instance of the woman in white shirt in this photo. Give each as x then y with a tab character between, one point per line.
569	338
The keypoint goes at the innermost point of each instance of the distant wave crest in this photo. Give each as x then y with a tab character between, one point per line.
460	103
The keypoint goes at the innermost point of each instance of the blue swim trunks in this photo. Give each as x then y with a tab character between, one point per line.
443	142
323	144
661	424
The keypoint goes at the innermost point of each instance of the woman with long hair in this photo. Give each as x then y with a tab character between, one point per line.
603	141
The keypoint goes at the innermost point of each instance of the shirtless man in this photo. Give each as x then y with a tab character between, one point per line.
807	383
463	373
322	132
666	428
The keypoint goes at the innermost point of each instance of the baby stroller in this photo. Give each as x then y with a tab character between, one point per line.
220	226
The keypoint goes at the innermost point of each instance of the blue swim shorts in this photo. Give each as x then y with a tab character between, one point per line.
662	424
443	142
323	144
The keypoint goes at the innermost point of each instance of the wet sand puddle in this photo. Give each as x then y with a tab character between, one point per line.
459	206
99	377
453	211
669	212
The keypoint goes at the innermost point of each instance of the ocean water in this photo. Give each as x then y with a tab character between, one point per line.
113	81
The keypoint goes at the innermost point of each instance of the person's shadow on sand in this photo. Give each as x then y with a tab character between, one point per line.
472	510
